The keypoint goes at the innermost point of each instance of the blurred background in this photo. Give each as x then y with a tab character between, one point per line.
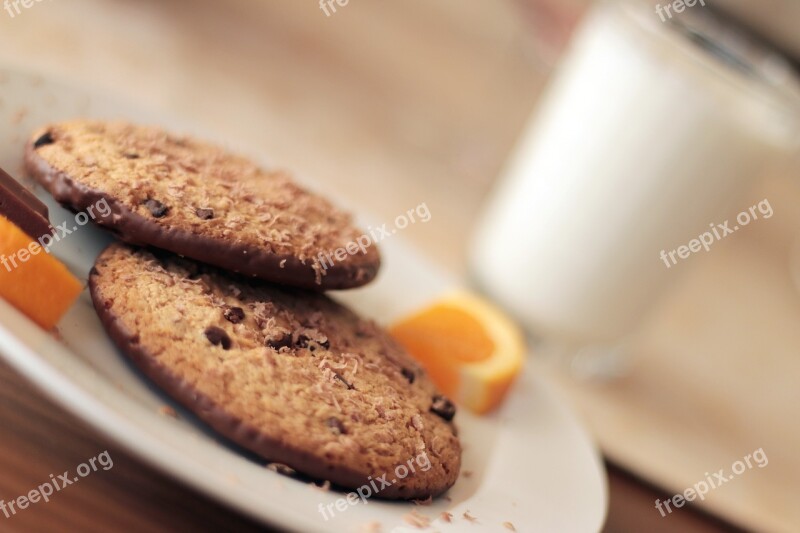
396	103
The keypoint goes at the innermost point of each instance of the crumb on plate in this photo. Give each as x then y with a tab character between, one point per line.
167	410
417	520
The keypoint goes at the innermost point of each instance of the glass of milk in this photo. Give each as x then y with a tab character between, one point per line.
652	130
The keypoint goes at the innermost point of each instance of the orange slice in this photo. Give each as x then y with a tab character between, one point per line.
33	281
471	349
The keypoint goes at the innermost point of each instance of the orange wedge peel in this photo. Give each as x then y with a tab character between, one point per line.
471	349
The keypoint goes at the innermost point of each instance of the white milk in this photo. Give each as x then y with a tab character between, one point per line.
643	140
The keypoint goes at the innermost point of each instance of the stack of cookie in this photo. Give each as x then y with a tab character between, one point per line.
217	295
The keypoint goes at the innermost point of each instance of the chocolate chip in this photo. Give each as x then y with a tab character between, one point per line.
443	407
204	213
44	140
304	341
157	209
233	315
278	342
130	155
409	375
218	337
336	426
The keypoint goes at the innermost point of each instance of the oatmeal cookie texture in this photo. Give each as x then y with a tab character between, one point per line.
289	374
199	201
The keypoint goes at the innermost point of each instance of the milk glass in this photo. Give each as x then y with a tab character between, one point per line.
650	131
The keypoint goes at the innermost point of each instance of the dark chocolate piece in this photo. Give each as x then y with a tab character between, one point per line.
44	140
336	426
443	407
283	341
156	208
218	337
304	341
204	213
234	314
22	208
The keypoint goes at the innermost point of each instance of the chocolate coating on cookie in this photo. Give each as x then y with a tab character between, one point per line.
200	201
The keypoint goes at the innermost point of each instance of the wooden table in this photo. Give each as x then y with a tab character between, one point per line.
395	103
39	438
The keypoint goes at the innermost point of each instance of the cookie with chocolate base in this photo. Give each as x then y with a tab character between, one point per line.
289	374
200	201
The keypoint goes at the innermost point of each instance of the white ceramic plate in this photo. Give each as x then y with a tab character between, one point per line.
531	464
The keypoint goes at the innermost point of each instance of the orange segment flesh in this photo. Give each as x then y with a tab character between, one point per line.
451	332
31	280
470	349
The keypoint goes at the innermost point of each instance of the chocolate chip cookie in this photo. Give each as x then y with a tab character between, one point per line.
200	201
289	374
